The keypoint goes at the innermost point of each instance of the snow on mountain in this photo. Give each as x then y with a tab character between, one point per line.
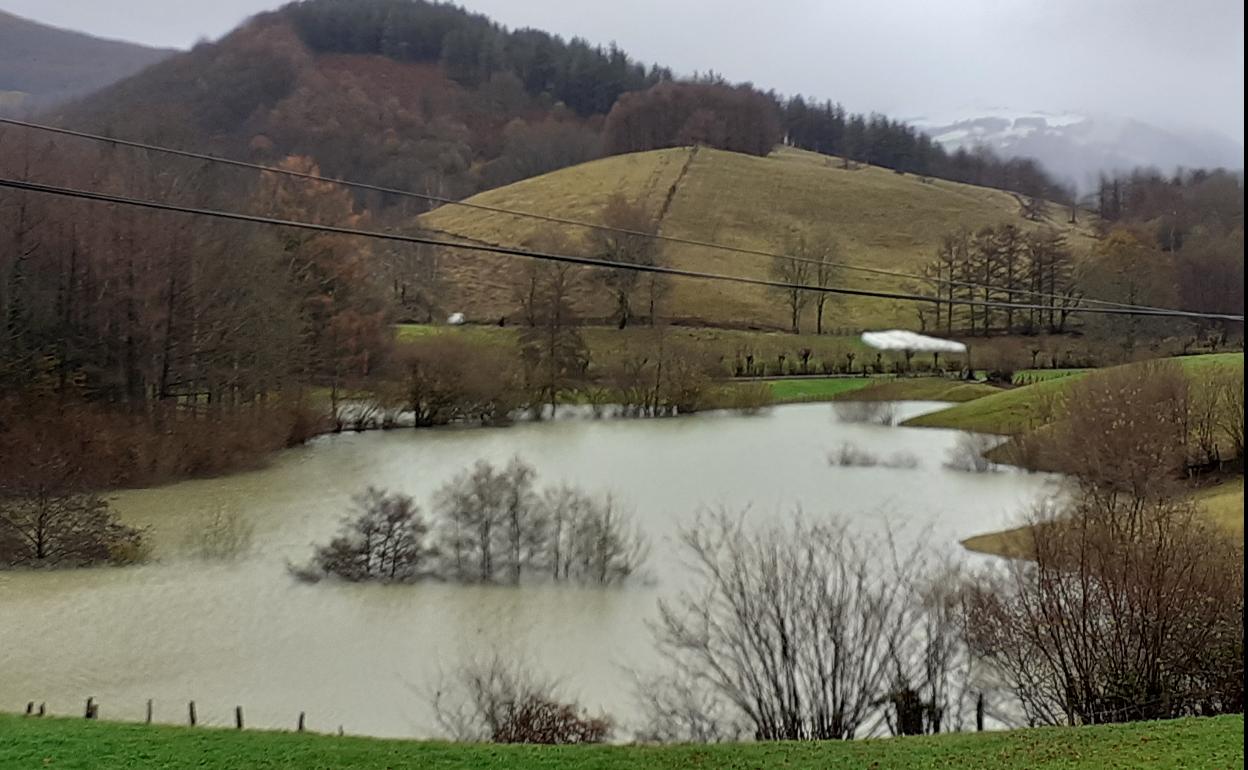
1078	147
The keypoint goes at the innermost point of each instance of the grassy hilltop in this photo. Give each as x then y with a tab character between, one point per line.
882	219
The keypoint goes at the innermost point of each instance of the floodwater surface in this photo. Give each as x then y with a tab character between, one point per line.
366	657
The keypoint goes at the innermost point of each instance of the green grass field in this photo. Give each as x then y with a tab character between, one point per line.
882	219
1032	376
1017	411
1225	504
1014	411
76	744
923	389
828	389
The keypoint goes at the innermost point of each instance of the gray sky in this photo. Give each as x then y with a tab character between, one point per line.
1178	63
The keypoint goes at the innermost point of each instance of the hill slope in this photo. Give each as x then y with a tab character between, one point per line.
881	218
1210	744
42	65
1012	412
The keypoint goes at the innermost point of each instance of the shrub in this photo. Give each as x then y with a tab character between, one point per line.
385	541
226	536
501	700
970	453
851	456
878	412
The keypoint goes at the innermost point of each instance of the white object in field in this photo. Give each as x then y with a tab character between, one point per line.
897	339
455	319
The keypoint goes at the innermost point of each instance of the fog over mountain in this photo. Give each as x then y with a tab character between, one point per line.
42	65
1076	147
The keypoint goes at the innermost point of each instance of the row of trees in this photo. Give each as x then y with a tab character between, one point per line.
1190	229
193	343
672	114
1001	264
492	525
472	48
809	260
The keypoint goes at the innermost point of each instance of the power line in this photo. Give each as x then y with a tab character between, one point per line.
304	175
69	192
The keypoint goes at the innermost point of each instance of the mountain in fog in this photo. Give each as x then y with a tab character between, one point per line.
1077	147
42	65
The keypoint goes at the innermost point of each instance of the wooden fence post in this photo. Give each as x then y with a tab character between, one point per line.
43	709
92	709
149	711
191	712
238	717
979	713
30	708
300	727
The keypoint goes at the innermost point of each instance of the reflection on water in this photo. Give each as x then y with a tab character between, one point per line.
362	656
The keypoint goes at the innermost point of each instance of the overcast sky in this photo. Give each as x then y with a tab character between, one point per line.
1173	62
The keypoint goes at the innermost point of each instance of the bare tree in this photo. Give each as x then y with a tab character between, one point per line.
794	271
50	514
1127	609
384	540
552	348
794	627
826	250
1231	414
609	548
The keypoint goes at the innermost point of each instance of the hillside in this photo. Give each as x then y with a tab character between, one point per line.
882	219
1209	744
42	65
1011	412
374	90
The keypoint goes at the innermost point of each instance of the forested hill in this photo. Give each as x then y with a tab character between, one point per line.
429	96
42	65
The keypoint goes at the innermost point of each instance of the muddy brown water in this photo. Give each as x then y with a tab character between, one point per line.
365	656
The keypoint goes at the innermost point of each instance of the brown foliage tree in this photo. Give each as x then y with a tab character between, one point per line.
671	114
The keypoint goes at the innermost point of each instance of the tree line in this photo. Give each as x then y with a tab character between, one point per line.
192	343
877	140
492	525
1002	264
473	49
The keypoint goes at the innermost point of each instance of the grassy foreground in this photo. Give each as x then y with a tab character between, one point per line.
1197	744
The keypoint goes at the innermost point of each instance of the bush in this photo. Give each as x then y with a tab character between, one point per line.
226	536
501	700
537	720
850	456
1127	609
443	378
384	541
878	412
65	530
970	453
